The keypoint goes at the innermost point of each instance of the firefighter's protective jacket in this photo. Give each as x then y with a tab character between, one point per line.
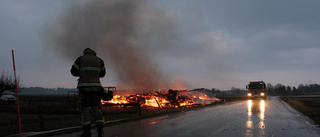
89	68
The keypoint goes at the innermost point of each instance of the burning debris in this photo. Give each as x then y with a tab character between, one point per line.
165	99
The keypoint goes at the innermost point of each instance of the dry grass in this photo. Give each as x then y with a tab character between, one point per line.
308	106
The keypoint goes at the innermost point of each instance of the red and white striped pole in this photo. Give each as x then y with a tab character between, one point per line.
16	84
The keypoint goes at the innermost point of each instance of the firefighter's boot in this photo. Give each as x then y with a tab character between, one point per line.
100	129
86	131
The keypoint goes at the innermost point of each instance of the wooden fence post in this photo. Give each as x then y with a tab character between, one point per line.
41	118
139	109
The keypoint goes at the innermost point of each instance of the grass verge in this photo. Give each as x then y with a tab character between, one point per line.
309	106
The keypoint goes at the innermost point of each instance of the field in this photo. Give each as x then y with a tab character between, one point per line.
43	115
309	106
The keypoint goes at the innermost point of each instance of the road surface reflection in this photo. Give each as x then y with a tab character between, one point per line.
255	125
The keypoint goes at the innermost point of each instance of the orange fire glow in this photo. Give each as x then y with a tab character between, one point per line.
163	99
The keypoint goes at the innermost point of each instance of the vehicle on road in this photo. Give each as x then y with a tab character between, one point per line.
257	89
7	99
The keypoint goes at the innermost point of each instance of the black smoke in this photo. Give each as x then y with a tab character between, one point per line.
130	35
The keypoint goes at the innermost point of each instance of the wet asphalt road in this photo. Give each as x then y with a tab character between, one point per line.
248	118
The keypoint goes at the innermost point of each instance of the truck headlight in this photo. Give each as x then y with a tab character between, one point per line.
249	94
262	94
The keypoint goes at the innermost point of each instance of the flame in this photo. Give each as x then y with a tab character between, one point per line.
117	99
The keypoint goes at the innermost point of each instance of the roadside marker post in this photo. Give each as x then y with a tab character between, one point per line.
16	84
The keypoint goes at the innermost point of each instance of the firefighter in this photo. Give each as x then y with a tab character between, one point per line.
90	68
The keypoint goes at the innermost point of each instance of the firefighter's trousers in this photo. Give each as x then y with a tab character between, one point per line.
90	107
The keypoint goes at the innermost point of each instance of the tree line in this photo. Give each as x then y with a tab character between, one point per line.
278	89
302	89
41	90
7	82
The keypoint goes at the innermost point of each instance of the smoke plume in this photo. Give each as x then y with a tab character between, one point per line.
128	35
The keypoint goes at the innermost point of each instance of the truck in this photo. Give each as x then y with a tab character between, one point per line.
257	89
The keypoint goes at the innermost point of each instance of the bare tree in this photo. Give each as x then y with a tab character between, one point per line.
7	82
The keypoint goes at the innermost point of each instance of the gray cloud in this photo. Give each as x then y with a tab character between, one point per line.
219	44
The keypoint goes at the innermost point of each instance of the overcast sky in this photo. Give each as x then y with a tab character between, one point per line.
216	43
